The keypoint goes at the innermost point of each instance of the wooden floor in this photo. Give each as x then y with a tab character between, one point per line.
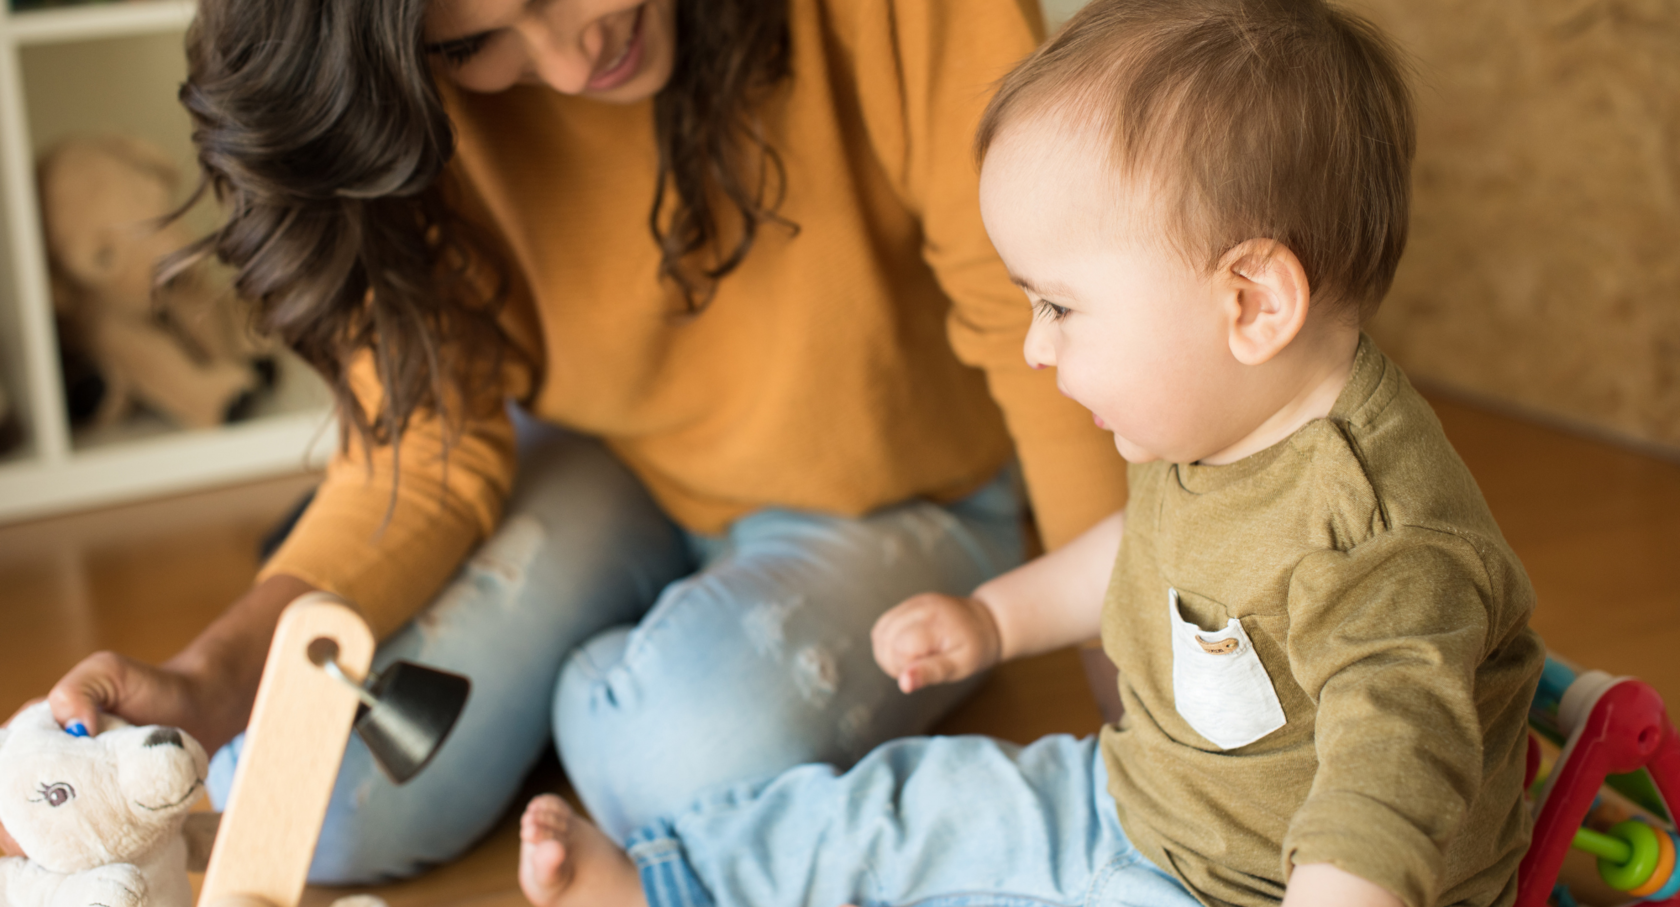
1597	526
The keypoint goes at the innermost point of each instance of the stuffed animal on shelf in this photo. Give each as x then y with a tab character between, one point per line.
103	819
181	349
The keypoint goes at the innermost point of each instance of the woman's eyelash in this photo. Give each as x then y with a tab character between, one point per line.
1049	310
460	50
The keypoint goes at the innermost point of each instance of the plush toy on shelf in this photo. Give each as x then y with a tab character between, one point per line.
182	349
104	819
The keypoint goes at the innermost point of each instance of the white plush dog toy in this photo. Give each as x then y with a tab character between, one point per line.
100	817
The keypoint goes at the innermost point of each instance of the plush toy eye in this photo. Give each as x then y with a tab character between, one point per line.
57	794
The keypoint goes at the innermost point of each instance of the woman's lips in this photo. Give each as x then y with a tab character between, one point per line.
1100	423
623	67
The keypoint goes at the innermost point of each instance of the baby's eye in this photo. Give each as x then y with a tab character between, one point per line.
56	794
459	52
1049	310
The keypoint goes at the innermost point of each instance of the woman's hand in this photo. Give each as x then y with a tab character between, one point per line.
206	690
140	694
934	638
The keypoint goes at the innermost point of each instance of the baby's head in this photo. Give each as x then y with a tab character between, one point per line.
1204	199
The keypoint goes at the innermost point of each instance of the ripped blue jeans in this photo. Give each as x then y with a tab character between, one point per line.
661	662
929	821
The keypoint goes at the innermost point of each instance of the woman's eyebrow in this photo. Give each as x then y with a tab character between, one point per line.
459	40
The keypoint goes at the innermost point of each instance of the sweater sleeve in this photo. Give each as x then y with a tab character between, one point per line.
1388	639
388	544
925	72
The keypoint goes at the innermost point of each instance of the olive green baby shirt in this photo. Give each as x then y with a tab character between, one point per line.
1341	614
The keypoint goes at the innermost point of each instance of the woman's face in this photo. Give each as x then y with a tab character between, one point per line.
620	51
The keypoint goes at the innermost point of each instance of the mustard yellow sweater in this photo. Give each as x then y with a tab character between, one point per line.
872	357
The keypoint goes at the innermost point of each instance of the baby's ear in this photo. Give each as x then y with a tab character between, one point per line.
1265	297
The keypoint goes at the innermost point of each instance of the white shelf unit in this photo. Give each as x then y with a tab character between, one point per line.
89	69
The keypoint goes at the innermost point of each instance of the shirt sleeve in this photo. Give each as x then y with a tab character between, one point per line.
1387	639
925	72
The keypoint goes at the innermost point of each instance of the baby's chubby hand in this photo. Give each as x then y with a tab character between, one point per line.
935	638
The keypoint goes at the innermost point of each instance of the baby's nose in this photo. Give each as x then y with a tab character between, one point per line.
163	736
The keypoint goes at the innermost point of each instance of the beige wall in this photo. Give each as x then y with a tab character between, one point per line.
1544	264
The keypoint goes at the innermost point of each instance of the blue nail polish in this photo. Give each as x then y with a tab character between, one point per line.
76	729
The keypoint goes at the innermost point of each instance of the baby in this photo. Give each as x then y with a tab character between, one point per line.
1322	635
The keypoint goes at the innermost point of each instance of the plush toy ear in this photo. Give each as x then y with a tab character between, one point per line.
38	717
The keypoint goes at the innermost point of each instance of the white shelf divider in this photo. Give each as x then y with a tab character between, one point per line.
44	398
166	464
98	20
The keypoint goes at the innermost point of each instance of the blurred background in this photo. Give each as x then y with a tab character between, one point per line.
1538	306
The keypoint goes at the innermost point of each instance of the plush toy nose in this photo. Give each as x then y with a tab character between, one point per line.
163	736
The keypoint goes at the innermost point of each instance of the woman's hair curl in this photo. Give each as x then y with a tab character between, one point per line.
321	132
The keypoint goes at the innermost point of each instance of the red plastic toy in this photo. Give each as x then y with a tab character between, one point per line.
1614	726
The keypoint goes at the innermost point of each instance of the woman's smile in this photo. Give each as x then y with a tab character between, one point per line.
619	68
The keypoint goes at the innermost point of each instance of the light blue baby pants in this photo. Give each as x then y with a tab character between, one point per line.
934	822
662	663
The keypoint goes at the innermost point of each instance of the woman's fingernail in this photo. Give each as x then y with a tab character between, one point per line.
76	729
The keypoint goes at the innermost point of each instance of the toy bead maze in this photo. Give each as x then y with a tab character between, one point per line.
1608	790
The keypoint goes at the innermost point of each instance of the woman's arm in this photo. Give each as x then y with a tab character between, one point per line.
925	73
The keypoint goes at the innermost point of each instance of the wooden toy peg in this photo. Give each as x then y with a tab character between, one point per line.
299	726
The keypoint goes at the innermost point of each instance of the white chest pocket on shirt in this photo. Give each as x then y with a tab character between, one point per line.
1219	685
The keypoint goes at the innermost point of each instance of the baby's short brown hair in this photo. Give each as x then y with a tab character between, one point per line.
1287	120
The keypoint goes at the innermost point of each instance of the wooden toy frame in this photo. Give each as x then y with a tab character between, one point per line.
299	727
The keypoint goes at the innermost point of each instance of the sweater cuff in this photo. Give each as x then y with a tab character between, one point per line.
1369	839
386	570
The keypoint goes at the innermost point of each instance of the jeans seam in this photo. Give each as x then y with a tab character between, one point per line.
1099	882
959	531
658	616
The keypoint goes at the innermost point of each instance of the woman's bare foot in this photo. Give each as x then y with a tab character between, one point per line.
565	860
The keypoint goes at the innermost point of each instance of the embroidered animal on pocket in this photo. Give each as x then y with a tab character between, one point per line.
1220	647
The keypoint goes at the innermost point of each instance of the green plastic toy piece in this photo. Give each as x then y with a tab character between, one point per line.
1641	863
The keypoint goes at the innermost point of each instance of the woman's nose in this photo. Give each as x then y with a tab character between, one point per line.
558	54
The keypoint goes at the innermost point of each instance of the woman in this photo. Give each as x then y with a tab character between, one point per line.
732	247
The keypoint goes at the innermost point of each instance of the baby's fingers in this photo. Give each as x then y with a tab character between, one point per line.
933	669
901	642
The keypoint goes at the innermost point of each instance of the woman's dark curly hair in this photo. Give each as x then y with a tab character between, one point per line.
321	131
